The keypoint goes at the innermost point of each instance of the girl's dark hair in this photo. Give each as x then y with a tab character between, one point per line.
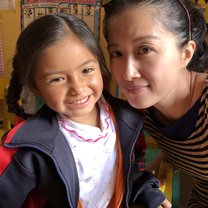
182	17
34	39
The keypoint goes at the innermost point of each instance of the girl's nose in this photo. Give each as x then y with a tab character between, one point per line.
131	69
77	86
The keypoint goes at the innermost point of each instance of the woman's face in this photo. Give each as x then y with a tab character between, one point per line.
144	57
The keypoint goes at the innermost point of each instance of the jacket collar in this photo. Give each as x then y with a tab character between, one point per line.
41	130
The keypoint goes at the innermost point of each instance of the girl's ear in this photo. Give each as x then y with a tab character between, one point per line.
188	52
35	91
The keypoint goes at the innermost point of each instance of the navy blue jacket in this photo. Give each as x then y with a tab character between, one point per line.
36	155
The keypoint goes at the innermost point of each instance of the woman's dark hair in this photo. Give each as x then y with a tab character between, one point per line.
34	39
181	17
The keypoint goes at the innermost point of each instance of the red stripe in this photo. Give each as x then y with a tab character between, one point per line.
6	154
35	199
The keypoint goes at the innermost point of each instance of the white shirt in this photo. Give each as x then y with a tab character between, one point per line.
94	151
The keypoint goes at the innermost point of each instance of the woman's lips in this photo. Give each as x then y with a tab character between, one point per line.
136	89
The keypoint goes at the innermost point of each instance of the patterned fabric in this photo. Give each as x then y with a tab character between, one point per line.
190	154
94	150
1	53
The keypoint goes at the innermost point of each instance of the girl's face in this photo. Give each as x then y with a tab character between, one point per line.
144	57
69	80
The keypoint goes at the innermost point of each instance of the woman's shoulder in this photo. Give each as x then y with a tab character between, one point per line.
200	85
202	78
205	85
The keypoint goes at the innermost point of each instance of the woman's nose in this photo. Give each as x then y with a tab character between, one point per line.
131	69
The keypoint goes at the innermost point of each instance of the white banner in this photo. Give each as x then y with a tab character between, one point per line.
7	4
87	10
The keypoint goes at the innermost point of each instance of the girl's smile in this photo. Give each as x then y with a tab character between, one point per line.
80	101
70	81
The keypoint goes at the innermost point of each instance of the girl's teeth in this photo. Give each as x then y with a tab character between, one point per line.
80	101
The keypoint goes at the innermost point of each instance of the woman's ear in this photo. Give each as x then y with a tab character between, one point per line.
188	52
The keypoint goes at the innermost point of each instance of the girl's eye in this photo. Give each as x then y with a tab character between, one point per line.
144	49
87	70
115	54
58	79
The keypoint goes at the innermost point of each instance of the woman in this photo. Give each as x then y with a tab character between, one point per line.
158	56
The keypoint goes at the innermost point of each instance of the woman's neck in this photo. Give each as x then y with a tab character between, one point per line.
181	100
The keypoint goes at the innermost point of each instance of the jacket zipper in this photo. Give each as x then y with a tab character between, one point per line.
128	174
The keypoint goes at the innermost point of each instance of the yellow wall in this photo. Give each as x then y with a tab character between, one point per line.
112	87
205	6
10	24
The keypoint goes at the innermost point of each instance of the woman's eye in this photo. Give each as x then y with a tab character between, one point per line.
144	49
115	54
87	70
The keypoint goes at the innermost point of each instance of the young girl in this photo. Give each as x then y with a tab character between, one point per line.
158	55
70	153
